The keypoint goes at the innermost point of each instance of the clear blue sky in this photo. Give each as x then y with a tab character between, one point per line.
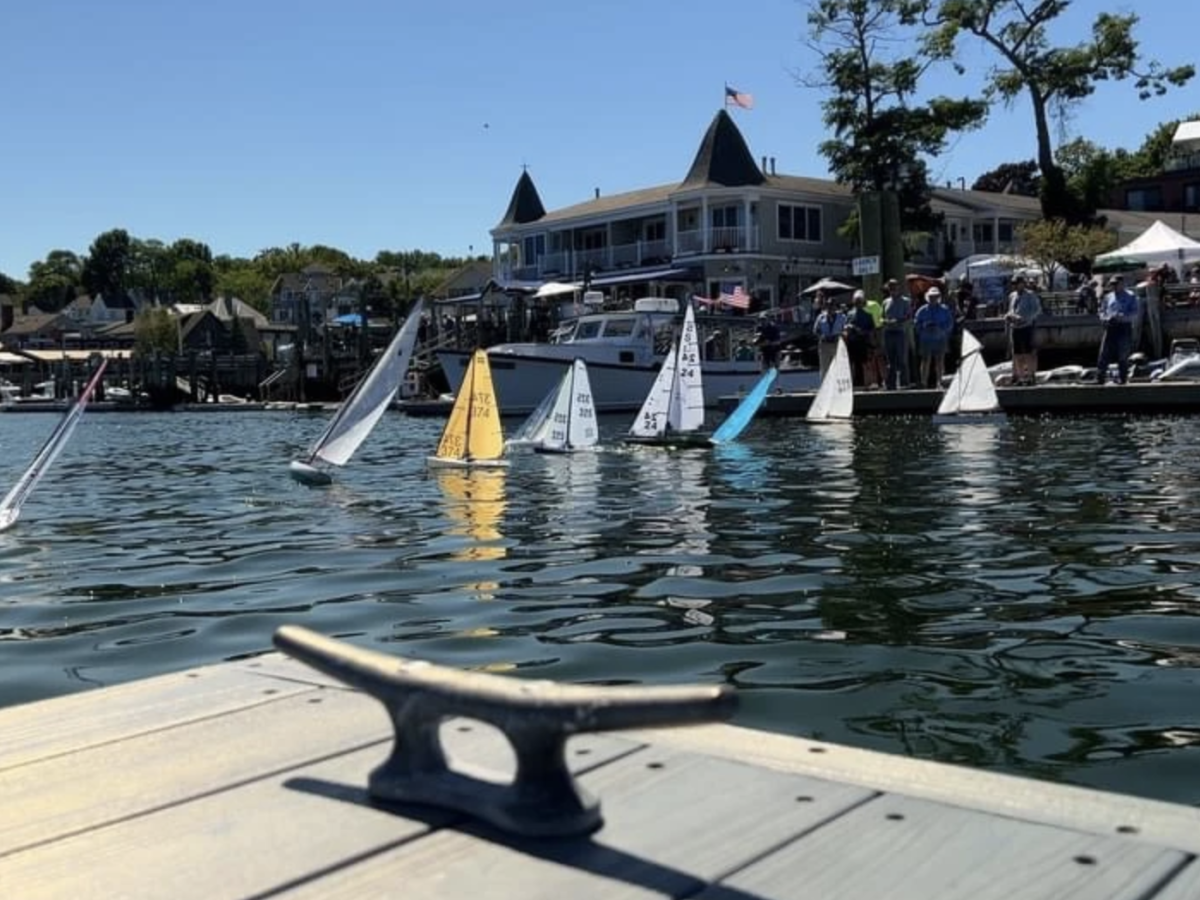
376	124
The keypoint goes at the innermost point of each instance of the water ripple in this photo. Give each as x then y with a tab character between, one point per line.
1023	597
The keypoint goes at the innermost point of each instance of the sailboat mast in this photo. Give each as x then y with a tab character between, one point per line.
570	406
677	350
470	412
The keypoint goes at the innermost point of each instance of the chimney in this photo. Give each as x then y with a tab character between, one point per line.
764	165
597	193
772	165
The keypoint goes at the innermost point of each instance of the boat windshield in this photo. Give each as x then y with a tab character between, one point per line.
619	328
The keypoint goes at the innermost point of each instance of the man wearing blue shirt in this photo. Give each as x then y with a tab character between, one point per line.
1118	312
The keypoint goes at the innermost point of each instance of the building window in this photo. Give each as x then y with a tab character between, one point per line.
1005	232
533	248
800	223
655	231
982	233
724	216
1146	198
1191	196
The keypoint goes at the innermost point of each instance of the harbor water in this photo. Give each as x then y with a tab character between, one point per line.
1019	597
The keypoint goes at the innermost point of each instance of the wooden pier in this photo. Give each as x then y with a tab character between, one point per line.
1151	398
249	779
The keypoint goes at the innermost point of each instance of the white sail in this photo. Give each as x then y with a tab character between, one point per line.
582	430
835	396
358	415
10	506
687	401
651	419
533	429
556	434
971	390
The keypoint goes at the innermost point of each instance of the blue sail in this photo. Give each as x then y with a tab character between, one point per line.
737	420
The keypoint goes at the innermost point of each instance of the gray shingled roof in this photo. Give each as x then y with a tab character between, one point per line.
525	205
723	158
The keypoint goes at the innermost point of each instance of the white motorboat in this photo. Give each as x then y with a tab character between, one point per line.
623	350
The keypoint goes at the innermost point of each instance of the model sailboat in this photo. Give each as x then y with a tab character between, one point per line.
971	395
10	506
673	412
834	400
571	424
473	436
361	411
742	414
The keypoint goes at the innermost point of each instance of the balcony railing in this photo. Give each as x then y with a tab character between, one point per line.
737	239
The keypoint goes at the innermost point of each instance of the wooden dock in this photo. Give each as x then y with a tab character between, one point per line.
248	779
1148	398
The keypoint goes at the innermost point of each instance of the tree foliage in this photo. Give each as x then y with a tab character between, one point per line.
1015	178
107	266
880	131
1055	78
53	281
155	330
1055	243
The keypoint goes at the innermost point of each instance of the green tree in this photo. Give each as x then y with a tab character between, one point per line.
192	277
1055	243
9	285
1054	78
1015	178
242	279
149	268
107	266
879	130
155	330
53	281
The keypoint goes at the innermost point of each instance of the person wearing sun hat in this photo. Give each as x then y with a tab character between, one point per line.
933	323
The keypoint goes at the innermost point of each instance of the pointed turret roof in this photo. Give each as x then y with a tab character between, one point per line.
525	205
723	158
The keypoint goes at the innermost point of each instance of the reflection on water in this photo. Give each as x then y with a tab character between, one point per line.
1021	597
474	505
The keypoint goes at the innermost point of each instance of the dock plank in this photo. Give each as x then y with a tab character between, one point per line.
1084	809
283	829
673	823
65	724
902	848
1186	886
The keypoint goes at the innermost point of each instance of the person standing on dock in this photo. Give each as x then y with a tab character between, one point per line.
828	329
897	310
1156	289
1117	313
933	323
1024	308
860	338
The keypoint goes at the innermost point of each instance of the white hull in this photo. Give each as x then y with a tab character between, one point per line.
442	462
307	474
522	381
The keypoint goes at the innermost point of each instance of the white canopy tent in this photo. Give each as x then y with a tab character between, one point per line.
982	265
1160	243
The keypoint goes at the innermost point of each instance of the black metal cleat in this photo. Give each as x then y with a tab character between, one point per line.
537	718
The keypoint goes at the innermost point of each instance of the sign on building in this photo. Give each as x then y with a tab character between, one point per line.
865	265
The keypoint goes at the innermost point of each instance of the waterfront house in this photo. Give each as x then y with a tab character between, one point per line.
734	220
305	298
731	221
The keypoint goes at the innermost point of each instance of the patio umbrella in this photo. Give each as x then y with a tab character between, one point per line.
1118	264
554	288
829	286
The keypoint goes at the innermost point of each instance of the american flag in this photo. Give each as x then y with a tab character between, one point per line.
737	98
739	299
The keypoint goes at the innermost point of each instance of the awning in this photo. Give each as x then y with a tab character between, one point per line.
650	275
52	356
348	319
12	359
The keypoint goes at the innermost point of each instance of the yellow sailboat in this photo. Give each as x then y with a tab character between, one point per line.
473	436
